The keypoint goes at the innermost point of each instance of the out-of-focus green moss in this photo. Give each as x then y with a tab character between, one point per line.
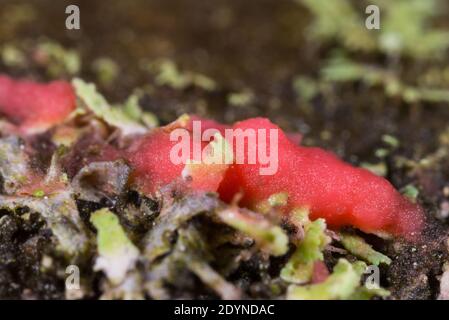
107	70
403	24
58	60
167	73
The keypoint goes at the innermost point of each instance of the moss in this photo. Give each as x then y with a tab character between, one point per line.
358	247
299	269
268	236
167	73
58	60
342	284
39	193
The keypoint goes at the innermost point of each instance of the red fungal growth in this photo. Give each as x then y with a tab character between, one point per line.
296	138
153	168
150	159
35	106
330	188
207	124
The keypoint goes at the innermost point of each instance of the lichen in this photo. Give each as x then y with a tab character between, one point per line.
114	116
116	253
299	269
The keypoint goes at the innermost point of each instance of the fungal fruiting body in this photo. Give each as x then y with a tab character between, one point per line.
342	194
332	189
34	106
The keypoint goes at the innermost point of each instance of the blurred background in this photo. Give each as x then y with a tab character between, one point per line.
375	97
